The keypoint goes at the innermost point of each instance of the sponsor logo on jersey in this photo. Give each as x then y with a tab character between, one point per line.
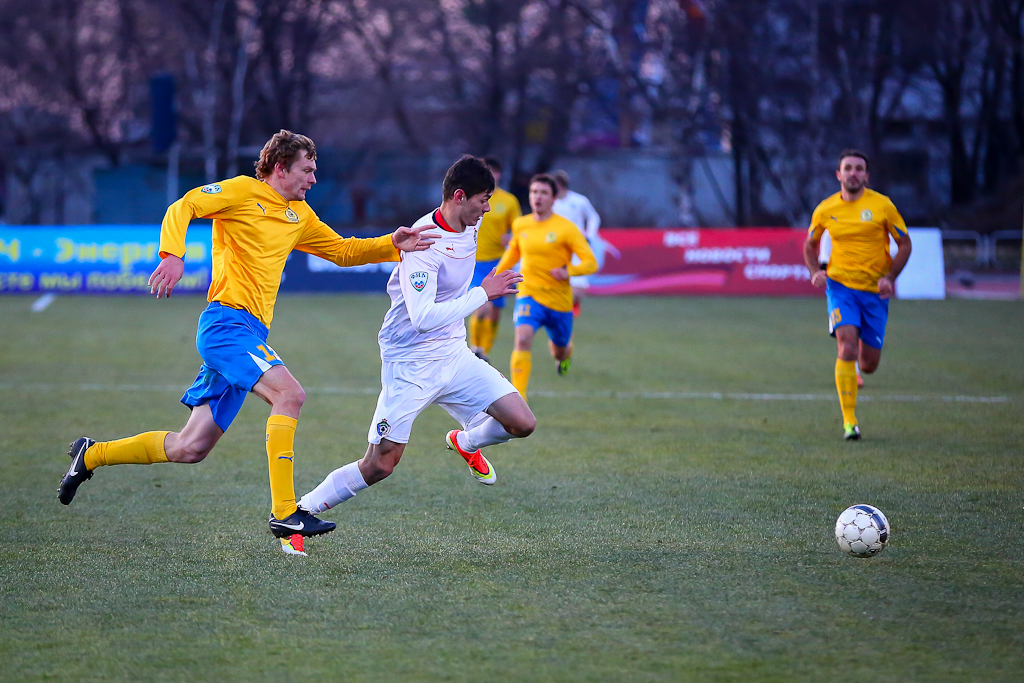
291	216
383	428
418	280
212	188
551	238
865	215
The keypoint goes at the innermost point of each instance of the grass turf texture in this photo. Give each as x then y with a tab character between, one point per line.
630	538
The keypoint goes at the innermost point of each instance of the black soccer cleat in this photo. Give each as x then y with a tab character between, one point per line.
77	473
301	522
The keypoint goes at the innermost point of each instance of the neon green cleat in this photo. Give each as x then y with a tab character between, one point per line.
563	366
851	432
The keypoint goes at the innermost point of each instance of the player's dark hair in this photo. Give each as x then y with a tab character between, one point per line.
493	163
853	153
545	178
470	175
284	148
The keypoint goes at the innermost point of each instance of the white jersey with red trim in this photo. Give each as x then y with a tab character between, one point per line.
430	296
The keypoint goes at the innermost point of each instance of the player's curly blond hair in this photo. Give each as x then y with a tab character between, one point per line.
285	147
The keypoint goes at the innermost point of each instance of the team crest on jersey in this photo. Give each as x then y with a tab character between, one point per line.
291	216
418	280
865	215
551	238
212	188
383	428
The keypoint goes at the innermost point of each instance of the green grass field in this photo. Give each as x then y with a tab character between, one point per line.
670	520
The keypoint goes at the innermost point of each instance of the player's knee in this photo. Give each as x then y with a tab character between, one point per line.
190	453
291	401
868	366
522	426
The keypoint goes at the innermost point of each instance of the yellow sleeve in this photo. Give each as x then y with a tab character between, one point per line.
511	255
580	247
320	240
208	201
894	222
817	227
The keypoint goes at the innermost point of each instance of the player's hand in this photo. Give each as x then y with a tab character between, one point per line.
885	288
819	278
560	274
166	276
413	239
500	284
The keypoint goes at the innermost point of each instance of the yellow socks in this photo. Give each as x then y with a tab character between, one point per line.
142	449
520	367
846	385
280	455
475	324
490	331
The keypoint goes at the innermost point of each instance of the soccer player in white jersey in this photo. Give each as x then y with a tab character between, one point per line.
579	210
425	357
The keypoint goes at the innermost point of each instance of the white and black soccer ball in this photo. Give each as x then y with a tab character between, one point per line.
862	530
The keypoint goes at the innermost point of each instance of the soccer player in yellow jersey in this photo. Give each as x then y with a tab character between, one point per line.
256	225
545	242
860	276
493	237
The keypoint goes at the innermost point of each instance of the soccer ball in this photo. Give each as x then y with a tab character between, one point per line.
862	530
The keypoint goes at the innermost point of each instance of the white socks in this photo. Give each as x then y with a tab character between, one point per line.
486	433
339	486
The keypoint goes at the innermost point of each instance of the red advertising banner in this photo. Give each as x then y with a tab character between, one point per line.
731	261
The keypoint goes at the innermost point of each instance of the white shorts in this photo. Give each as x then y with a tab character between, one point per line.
462	384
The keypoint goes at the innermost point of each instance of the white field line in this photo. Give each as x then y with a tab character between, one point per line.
42	387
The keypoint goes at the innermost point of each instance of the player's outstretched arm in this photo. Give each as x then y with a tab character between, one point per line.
818	277
166	276
497	285
413	239
887	283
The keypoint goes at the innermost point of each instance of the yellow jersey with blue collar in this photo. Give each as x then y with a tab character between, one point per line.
254	231
496	224
860	237
543	246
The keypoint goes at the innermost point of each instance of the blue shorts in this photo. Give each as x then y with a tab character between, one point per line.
557	323
235	353
480	272
866	311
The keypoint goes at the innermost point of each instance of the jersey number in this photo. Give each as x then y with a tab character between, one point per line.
268	352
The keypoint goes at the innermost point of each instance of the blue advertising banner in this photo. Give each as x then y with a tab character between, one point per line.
96	259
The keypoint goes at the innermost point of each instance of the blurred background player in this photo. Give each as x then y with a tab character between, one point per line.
257	222
424	357
581	212
495	231
861	273
545	243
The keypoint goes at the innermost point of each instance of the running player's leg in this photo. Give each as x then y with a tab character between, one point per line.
527	317
282	391
847	341
406	390
494	320
490	410
480	326
559	326
844	325
874	317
